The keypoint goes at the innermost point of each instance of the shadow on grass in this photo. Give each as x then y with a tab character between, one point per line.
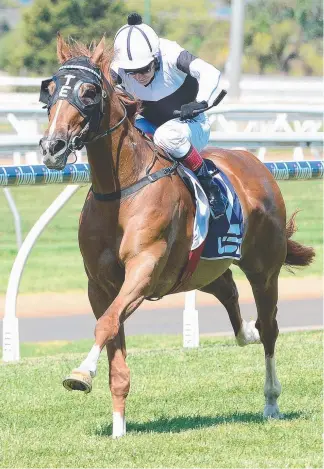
185	423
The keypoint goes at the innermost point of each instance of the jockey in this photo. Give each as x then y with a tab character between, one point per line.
166	77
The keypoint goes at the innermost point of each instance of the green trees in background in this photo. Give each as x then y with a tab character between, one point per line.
281	36
192	24
284	36
31	47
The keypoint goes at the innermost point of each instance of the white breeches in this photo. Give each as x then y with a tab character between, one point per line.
176	137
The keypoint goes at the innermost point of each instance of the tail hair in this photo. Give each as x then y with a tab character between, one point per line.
298	255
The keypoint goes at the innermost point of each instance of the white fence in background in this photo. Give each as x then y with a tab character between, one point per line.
264	118
10	143
253	88
257	127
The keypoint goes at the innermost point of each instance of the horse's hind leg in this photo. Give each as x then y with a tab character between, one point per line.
265	290
225	290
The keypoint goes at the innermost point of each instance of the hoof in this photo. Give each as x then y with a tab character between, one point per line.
78	381
271	411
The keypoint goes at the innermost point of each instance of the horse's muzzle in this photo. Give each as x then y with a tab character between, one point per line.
55	152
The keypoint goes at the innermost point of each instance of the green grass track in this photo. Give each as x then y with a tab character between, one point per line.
186	408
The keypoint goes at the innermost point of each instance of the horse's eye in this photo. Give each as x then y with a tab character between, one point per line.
90	93
87	93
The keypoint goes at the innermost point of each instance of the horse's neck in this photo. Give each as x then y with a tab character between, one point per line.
116	160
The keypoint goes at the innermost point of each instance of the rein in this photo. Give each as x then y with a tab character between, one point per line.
148	179
77	142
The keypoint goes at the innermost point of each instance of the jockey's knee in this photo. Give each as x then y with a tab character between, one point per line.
173	139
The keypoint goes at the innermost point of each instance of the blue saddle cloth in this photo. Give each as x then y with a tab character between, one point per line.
225	234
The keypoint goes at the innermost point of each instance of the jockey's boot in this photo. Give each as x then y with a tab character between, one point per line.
194	161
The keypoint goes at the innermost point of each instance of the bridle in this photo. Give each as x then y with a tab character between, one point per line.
68	89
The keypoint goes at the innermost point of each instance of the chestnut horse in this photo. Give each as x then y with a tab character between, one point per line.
135	243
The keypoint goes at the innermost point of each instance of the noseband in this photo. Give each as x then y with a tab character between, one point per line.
68	80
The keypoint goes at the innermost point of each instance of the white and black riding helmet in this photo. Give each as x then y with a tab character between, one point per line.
136	44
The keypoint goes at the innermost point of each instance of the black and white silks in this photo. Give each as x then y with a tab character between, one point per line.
181	78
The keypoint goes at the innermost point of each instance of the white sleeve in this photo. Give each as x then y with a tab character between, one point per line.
171	51
208	78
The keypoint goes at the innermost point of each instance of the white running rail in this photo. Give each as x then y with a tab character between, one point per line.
10	321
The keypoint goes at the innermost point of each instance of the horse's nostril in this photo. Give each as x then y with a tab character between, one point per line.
56	146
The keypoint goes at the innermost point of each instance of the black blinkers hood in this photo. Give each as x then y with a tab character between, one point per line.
68	80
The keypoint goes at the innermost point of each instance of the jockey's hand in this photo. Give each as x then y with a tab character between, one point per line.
187	109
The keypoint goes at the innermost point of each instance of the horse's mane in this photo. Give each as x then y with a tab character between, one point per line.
77	49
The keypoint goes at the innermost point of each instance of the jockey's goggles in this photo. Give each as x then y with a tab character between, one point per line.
141	71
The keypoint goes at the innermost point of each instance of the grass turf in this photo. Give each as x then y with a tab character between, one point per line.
186	408
55	262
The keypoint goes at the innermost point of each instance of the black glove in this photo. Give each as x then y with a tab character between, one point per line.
186	111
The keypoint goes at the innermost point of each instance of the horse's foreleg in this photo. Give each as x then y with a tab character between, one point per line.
119	381
225	290
119	378
100	301
81	378
139	276
140	273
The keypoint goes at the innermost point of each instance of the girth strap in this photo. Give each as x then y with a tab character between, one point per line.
149	179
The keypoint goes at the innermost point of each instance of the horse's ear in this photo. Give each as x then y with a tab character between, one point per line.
63	52
98	53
